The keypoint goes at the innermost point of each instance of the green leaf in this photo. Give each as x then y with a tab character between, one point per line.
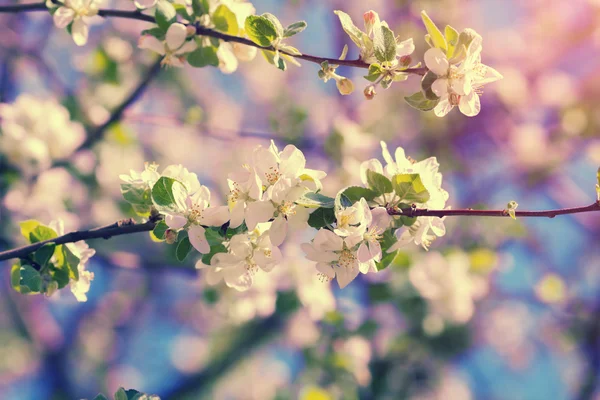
384	43
270	57
121	395
410	188
28	226
375	72
321	218
182	10
352	194
260	30
200	7
15	277
356	35
165	15
184	247
44	254
100	396
225	20
203	56
420	102
67	261
60	276
136	194
275	21
407	221
156	32
315	200
378	183
451	40
41	233
31	280
213	237
159	230
426	84
294	28
435	34
163	191
220	248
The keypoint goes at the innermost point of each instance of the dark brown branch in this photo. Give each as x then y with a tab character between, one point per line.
123	227
200	30
423	212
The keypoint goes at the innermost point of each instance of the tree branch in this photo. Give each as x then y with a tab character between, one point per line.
128	226
122	227
424	212
200	30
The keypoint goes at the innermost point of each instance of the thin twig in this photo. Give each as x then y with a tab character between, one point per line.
123	227
203	31
423	212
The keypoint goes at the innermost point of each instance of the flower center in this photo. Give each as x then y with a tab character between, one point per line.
347	259
287	208
373	234
272	175
323	278
195	214
251	267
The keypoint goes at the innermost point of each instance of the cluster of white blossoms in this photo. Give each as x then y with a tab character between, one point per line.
74	15
221	33
425	229
35	131
448	286
81	250
460	77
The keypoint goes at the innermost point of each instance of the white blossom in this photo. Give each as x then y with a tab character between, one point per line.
447	285
75	13
335	256
37	131
428	171
81	250
173	48
246	254
460	85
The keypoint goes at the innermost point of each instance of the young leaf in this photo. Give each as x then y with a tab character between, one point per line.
435	34
384	43
426	84
356	35
375	72
67	261
260	30
315	200
163	191
420	102
44	254
294	28
275	21
200	7
386	260
225	20
321	218
134	194
41	233
165	15
354	193
183	248
203	56
410	188
451	40
159	230
28	226
378	183
182	10
220	248
15	277
156	32
31	280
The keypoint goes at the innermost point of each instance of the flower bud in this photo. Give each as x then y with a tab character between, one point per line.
405	60
370	17
345	86
190	30
51	288
370	92
170	236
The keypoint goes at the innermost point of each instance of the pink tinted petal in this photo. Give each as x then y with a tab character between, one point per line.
197	237
176	36
469	105
175	221
258	211
215	216
278	231
436	61
63	17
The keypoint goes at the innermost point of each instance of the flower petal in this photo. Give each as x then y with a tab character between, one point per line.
175	221
63	17
197	237
258	211
278	231
469	105
79	31
151	43
436	61
215	216
443	107
176	35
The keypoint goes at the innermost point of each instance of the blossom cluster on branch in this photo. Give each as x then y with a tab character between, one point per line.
221	33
